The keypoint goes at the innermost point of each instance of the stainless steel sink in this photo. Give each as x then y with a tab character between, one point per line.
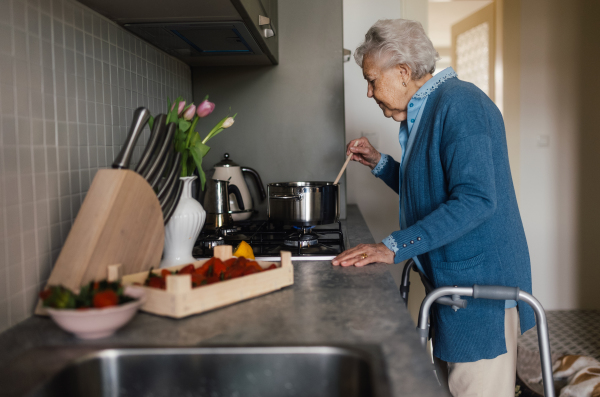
220	372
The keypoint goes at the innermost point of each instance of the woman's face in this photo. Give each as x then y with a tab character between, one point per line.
385	86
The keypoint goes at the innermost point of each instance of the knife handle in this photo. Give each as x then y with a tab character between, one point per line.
151	172
141	116
157	134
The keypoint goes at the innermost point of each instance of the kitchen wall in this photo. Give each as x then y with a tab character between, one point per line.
377	202
560	166
69	82
290	123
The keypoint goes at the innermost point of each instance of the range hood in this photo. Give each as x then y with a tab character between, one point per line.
201	33
191	41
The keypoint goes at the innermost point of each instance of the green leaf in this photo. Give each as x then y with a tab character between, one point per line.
180	140
184	125
184	158
173	115
151	122
193	127
199	150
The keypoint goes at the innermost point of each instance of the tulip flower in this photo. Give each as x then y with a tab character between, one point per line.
190	112
225	123
181	107
205	108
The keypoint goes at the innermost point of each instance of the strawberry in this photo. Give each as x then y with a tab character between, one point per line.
105	299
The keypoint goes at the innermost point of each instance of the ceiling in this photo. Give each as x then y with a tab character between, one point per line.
443	14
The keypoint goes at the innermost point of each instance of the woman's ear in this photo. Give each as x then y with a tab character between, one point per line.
404	71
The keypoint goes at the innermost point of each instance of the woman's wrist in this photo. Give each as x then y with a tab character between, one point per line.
376	161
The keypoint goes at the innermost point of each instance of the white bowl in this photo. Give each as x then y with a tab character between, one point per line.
98	323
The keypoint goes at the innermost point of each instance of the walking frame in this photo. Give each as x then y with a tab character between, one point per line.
451	296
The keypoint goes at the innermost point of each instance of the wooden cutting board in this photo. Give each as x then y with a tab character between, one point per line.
120	222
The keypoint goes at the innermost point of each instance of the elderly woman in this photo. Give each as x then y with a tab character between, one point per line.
459	218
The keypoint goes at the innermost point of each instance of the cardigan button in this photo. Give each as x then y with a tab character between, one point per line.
412	242
404	245
418	238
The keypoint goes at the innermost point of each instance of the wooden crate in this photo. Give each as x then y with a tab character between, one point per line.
181	300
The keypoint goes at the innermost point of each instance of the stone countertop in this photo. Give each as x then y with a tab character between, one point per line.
327	305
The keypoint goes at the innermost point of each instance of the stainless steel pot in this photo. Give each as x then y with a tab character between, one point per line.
303	203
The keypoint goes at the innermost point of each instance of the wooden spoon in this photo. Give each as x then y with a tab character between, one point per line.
344	166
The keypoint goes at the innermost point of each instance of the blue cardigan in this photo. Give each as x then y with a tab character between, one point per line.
462	217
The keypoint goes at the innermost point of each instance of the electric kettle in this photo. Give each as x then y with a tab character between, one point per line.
228	170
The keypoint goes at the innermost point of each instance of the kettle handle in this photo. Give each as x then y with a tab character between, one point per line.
238	196
261	188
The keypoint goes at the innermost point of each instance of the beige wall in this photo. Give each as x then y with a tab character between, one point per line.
550	106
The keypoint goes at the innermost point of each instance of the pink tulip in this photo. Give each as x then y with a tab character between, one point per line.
205	108
181	107
190	112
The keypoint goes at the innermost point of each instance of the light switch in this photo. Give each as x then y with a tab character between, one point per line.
543	141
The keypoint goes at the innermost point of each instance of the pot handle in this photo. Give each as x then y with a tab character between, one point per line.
283	197
261	188
238	196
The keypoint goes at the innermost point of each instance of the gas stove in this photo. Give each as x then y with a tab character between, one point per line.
323	242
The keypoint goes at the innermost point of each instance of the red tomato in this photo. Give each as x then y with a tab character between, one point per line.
197	280
213	279
45	294
234	271
254	265
164	273
106	298
241	261
230	262
273	266
157	282
204	268
189	269
249	270
218	267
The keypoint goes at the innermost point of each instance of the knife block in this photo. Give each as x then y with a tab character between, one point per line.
120	221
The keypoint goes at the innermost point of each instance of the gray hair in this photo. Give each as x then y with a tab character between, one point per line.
404	41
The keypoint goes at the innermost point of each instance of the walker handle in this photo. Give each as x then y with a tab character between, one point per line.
496	292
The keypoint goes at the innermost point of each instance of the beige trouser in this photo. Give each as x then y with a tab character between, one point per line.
487	378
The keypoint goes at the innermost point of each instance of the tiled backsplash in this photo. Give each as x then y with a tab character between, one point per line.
69	82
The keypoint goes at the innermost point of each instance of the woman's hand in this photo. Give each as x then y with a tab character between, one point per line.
356	256
364	152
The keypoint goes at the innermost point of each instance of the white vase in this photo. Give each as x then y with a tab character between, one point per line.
183	228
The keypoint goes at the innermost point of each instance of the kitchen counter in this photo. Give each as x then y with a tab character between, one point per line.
327	305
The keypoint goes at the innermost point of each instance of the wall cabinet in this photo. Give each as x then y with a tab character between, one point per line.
201	33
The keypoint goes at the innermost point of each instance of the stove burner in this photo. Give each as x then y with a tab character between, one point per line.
268	240
225	231
212	242
303	238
